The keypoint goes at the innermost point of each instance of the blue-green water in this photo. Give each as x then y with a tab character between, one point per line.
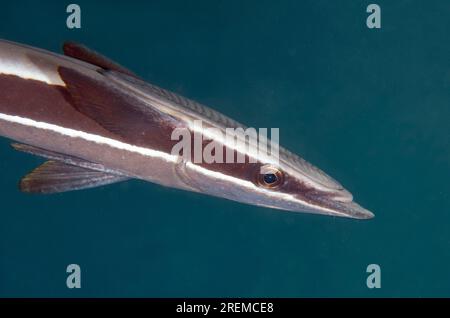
369	106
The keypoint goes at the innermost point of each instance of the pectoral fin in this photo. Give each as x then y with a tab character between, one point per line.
56	176
69	160
118	110
63	173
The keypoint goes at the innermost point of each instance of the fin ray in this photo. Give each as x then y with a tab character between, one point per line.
186	105
70	160
56	176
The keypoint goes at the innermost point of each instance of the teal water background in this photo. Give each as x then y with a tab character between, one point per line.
369	107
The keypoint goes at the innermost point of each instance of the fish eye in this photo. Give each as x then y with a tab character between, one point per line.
270	177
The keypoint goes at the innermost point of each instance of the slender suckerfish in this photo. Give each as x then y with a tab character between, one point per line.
97	123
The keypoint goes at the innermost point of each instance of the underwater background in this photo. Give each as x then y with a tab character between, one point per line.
371	107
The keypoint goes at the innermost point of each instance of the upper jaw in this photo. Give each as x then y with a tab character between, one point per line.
337	203
342	196
340	203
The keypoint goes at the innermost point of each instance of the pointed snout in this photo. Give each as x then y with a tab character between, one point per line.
356	211
340	203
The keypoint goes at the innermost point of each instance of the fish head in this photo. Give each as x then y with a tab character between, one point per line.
290	183
294	184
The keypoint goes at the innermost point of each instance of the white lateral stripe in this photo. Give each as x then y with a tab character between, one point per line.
251	186
89	137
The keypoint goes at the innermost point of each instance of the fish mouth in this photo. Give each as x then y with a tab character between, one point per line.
353	210
342	206
340	203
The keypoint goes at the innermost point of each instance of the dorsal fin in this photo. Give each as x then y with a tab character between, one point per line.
83	53
56	176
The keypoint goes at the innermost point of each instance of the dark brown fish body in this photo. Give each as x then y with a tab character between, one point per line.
50	103
98	123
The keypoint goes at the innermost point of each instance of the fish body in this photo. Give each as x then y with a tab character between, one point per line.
98	123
